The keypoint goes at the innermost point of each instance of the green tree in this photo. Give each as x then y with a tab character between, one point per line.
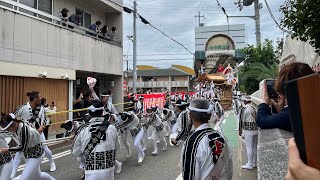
260	63
302	18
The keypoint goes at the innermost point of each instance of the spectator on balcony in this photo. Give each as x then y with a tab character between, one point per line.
76	18
63	15
95	27
113	32
104	30
265	118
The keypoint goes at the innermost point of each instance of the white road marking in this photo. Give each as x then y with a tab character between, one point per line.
55	156
179	177
224	121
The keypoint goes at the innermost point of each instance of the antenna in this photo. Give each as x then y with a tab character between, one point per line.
199	16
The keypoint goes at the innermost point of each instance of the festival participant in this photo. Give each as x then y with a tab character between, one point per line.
183	125
130	123
33	113
168	119
205	154
29	143
250	132
219	112
158	129
108	106
6	158
237	105
140	105
97	144
131	106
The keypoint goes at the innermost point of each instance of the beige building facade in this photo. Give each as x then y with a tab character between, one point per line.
36	47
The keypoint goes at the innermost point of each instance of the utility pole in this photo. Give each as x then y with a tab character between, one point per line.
134	47
256	17
199	17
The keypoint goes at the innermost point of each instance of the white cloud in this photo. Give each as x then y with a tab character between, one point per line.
176	18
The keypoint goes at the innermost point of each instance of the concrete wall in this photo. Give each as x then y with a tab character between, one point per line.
236	32
29	41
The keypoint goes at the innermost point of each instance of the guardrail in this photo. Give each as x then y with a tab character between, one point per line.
272	149
58	22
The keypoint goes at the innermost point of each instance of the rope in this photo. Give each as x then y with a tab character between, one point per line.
83	109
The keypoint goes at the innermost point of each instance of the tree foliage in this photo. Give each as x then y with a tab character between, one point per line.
302	18
260	63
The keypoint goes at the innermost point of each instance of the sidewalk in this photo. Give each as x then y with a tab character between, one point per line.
239	155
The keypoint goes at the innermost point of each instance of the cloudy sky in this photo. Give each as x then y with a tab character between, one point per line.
177	19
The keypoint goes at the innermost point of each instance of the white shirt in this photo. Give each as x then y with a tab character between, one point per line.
249	121
25	113
82	139
205	157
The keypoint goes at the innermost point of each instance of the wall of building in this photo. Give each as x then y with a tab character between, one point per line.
29	41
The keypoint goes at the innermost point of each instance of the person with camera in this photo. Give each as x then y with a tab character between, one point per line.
266	119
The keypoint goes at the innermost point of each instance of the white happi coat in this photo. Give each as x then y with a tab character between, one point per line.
28	140
206	157
249	125
184	126
169	117
7	157
104	152
25	113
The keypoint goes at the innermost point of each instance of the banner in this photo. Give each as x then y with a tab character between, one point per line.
153	100
159	99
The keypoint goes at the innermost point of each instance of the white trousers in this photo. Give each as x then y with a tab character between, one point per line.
167	127
124	139
138	141
5	171
158	135
251	142
32	170
101	176
174	129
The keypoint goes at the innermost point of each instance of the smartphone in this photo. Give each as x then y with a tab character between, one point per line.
270	88
303	99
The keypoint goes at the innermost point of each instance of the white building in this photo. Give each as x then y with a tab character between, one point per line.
218	44
33	43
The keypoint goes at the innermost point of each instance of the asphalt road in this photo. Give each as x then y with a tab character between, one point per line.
165	166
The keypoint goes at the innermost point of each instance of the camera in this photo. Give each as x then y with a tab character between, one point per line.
270	89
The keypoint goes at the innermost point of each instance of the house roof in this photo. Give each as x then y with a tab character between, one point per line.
146	67
184	69
159	72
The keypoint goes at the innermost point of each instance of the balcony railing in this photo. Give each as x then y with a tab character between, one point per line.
160	84
15	6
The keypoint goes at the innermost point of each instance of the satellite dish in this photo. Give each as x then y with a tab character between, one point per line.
247	2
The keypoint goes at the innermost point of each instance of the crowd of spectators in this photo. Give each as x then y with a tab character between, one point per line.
95	28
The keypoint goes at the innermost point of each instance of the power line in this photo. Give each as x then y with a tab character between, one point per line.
273	18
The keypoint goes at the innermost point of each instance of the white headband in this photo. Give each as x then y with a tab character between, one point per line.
94	109
202	110
105	95
13	117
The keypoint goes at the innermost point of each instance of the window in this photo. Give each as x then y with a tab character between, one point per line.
85	19
154	79
41	5
173	79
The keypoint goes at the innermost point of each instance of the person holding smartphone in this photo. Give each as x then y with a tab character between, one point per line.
265	118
